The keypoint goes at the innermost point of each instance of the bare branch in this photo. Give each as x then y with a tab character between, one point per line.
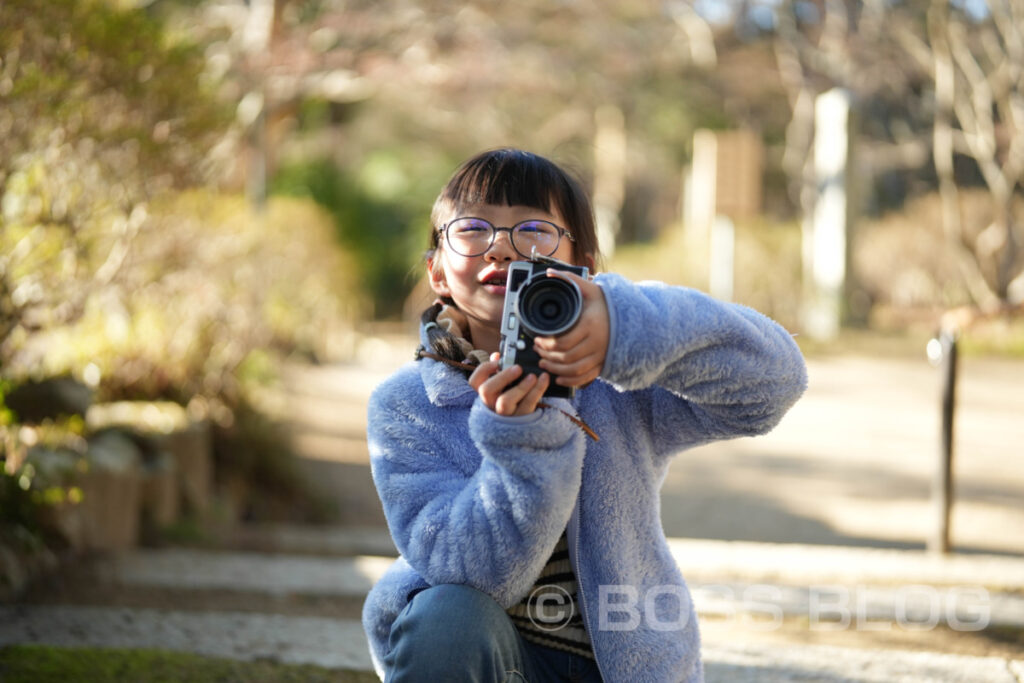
917	48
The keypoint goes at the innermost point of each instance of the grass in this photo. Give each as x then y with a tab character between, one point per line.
45	664
998	336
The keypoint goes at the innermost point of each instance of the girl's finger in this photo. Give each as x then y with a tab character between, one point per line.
482	373
580	380
579	373
583	329
563	342
587	287
529	402
587	330
564	356
557	361
495	386
508	402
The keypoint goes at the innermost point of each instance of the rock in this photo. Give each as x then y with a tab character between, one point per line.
24	559
161	430
61	467
13	576
192	451
53	466
161	493
142	417
161	490
112	491
34	402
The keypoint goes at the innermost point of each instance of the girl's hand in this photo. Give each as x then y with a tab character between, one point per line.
493	387
576	357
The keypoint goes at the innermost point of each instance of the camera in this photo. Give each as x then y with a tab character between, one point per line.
538	306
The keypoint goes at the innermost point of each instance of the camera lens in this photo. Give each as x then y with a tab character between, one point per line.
549	306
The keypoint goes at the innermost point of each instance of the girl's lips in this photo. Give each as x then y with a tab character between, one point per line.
495	282
495	288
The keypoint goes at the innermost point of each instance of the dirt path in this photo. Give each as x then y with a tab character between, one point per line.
851	464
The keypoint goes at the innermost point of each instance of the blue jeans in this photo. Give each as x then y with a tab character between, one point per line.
457	633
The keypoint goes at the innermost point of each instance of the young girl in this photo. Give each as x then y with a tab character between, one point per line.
531	550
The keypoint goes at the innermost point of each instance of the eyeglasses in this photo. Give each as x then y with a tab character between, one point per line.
474	236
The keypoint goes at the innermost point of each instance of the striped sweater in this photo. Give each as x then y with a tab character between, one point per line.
549	615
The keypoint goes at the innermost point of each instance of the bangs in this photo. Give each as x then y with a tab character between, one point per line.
508	177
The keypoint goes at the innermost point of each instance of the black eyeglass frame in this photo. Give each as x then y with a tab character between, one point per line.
562	232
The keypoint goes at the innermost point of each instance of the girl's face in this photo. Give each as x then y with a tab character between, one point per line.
477	283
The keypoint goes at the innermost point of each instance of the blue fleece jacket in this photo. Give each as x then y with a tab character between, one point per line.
475	498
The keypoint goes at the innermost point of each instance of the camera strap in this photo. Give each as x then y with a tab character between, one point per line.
469	367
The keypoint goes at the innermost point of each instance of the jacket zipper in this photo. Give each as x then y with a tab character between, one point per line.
575	528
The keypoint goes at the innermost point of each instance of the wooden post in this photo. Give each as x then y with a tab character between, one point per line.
827	242
723	257
609	175
943	352
257	36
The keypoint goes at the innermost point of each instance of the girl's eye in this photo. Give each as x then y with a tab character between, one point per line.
535	229
471	227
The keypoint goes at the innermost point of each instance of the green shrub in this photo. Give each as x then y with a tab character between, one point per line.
37	465
376	232
208	288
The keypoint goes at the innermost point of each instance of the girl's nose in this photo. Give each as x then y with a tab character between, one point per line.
502	249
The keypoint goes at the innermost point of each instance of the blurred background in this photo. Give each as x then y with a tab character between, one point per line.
213	215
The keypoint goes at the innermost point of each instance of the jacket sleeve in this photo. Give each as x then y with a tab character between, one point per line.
715	370
480	504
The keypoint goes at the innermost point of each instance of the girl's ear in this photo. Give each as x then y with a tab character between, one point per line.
438	280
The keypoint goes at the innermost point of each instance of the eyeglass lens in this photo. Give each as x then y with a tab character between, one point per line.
474	236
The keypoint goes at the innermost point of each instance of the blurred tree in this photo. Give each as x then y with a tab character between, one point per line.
98	114
978	67
121	262
426	85
107	118
847	44
959	97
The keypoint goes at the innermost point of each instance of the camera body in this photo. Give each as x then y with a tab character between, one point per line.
538	306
